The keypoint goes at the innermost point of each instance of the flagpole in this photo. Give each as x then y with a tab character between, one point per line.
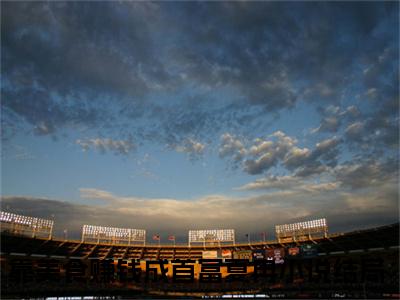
172	238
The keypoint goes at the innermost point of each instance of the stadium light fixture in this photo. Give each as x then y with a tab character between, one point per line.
113	235
301	229
211	235
26	225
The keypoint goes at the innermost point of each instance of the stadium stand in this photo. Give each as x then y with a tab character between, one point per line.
357	264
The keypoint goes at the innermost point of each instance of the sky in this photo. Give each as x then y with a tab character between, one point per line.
171	116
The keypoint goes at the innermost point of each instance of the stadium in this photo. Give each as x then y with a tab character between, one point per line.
199	149
305	261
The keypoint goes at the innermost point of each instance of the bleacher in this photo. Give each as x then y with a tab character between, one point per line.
38	267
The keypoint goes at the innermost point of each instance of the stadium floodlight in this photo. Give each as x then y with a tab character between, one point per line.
301	229
212	236
91	233
20	224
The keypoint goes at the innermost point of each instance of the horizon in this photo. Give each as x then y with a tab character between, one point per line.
256	238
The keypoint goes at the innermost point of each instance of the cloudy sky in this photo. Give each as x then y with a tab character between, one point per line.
174	116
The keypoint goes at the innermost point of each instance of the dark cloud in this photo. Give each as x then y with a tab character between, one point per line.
52	45
270	47
71	216
367	174
375	176
333	117
60	67
376	132
64	63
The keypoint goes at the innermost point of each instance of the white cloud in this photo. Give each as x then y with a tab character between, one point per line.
290	183
231	146
261	147
296	157
354	130
193	148
333	118
89	193
272	182
43	128
103	145
268	153
280	149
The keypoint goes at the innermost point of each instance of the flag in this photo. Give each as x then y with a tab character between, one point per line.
171	238
156	237
263	236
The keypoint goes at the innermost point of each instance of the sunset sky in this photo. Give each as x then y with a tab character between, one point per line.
170	116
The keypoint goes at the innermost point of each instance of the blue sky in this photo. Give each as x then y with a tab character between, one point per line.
171	116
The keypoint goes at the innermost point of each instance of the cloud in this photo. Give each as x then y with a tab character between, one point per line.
326	150
289	183
377	132
52	89
272	182
105	65
122	147
354	130
245	214
380	69
16	152
232	147
268	153
280	150
307	163
90	193
333	118
192	148
44	129
367	174
349	177
380	130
